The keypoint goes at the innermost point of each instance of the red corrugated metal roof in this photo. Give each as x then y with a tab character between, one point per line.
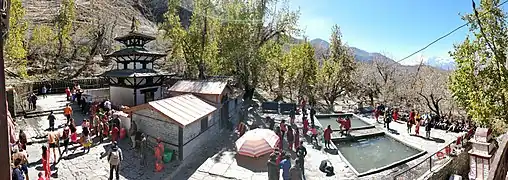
200	87
183	109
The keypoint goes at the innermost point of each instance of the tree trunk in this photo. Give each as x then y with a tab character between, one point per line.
95	48
249	93
371	98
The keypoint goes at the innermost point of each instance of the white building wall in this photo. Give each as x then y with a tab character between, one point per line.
200	139
121	95
154	125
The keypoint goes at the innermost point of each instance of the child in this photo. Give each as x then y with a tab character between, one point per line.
74	134
41	177
87	143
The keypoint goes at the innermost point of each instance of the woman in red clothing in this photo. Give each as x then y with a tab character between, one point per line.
395	114
159	151
45	162
411	121
297	138
114	133
376	114
305	125
328	136
345	123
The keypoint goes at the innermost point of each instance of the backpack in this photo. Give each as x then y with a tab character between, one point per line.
114	158
17	174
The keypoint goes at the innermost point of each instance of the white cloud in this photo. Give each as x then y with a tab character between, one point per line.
429	60
414	60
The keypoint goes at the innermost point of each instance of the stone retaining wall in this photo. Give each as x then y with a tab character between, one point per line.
458	165
500	164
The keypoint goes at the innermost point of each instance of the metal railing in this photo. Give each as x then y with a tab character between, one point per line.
433	162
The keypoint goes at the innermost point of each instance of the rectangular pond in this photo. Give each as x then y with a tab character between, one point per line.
331	119
376	153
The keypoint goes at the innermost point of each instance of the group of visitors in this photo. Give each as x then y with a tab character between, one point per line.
281	160
417	120
450	125
32	101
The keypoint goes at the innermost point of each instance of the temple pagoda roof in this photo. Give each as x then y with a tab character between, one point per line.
135	35
135	52
134	73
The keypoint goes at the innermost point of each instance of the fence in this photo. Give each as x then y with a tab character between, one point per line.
24	89
434	161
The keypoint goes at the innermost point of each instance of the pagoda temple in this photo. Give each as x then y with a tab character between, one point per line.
134	81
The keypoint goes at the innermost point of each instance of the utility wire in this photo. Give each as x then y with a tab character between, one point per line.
446	35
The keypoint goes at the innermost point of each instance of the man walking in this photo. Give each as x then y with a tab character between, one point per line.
115	157
132	133
301	152
68	113
312	114
51	118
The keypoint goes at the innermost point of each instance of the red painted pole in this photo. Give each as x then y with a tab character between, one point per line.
5	153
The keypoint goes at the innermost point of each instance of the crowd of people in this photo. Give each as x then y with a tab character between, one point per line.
288	131
416	119
103	125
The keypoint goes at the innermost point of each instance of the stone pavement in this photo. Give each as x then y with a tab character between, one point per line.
77	165
225	165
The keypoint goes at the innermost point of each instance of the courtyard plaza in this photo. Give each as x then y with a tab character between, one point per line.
93	165
227	165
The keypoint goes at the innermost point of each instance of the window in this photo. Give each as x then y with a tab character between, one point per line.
149	80
204	124
149	96
121	81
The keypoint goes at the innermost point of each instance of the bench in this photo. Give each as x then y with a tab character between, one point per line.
285	108
272	107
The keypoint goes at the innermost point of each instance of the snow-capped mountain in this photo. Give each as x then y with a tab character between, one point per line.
322	47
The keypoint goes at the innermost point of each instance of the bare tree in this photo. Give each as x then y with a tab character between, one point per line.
431	86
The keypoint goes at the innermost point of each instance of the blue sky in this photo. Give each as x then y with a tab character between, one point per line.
394	27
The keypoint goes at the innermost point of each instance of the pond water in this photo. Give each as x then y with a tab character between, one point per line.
374	152
332	121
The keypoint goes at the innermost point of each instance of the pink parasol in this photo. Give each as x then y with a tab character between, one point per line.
257	142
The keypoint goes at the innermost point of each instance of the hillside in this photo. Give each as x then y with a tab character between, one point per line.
150	13
360	55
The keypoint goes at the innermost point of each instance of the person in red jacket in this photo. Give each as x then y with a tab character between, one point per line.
297	138
411	121
305	125
114	133
345	124
68	93
395	114
328	136
45	162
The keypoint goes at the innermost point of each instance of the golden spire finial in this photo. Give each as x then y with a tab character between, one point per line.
134	25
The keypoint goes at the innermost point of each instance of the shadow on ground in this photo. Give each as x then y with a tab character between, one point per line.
435	139
253	164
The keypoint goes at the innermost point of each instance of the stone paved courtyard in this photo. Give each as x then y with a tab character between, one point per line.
78	165
226	165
